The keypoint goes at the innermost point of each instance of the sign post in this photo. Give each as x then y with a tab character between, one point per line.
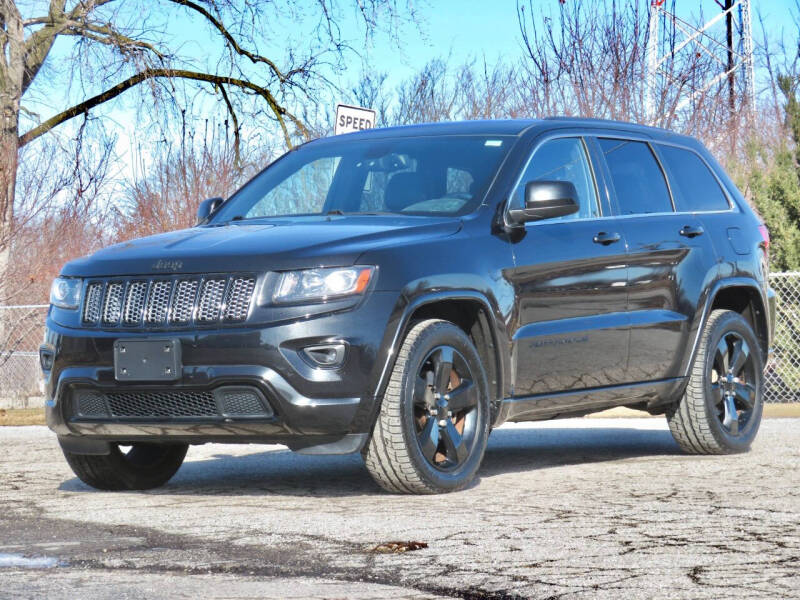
353	118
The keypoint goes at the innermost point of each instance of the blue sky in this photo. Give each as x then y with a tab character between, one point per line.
472	28
459	29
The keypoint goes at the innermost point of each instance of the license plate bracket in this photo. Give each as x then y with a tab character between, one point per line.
147	360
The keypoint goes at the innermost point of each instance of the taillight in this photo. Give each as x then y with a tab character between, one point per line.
762	229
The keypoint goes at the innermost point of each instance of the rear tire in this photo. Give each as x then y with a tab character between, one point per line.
143	467
720	411
433	425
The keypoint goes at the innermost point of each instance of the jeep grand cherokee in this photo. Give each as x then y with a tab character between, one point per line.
400	292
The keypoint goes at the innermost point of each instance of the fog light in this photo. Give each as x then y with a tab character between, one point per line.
46	358
326	356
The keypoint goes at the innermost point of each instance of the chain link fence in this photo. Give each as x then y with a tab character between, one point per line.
783	371
21	332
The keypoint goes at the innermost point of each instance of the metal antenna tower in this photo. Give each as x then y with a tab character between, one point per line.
699	39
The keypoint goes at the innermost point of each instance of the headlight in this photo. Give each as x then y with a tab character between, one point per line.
65	293
319	285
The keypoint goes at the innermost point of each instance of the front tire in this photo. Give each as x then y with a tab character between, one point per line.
720	411
142	467
433	425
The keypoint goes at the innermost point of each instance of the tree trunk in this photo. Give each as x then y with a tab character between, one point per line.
12	69
8	175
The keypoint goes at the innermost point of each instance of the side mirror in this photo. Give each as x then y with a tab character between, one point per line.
546	200
207	207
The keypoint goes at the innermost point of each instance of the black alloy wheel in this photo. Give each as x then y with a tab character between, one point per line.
431	432
445	408
720	409
732	377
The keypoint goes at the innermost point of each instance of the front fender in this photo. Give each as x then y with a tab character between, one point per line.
401	319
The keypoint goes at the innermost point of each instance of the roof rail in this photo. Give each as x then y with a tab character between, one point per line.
604	121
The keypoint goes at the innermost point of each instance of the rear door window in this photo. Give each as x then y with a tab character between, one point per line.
696	188
637	177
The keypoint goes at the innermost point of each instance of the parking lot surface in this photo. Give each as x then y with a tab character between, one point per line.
594	508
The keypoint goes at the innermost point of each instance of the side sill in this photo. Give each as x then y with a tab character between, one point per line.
542	406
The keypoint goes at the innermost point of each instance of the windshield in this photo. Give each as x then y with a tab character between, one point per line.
441	175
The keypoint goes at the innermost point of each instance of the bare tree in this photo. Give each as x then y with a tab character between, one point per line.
588	59
165	195
428	96
121	44
63	189
472	90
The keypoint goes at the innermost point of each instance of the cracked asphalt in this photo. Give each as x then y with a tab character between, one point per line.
594	508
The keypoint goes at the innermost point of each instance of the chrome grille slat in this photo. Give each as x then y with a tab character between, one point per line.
112	307
211	296
134	303
183	302
159	302
94	303
237	300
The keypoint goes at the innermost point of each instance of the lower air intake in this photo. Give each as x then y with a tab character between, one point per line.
222	402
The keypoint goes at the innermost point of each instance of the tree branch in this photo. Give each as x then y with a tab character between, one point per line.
236	138
105	34
281	114
254	58
39	43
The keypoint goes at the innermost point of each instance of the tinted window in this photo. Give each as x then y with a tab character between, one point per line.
426	175
563	159
695	186
637	177
304	191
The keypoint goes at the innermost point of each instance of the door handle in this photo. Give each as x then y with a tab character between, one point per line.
691	231
606	238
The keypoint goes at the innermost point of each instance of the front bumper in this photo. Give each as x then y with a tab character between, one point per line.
309	409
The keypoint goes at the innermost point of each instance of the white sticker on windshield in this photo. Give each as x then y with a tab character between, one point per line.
493	143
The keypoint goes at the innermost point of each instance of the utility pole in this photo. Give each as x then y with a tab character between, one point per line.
738	48
728	8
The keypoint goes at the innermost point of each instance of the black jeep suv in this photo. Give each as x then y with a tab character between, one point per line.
400	292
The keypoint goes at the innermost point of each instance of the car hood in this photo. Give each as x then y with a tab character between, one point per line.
263	245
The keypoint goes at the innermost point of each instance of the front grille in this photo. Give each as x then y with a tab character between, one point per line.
160	302
227	401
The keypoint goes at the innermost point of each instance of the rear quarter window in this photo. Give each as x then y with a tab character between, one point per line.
696	188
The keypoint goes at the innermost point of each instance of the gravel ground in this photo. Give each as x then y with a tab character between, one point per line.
595	508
